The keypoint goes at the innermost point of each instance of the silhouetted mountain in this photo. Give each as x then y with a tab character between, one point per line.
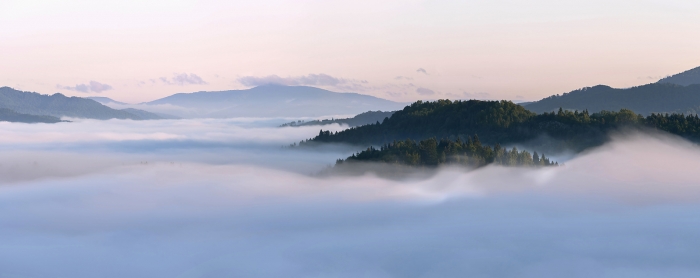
685	78
646	99
58	105
270	101
7	115
106	100
361	119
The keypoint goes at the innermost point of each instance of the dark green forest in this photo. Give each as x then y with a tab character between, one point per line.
503	122
431	153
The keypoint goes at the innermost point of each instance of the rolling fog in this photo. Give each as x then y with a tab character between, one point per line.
223	198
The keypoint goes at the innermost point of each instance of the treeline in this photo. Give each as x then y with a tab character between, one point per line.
504	122
431	153
365	118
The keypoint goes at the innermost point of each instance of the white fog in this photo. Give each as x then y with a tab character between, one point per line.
223	198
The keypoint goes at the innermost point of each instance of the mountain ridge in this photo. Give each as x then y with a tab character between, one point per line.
273	101
644	99
59	105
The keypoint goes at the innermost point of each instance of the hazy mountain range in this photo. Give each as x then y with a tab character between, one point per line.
679	93
59	105
269	101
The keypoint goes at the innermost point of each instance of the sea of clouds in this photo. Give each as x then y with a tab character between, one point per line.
224	198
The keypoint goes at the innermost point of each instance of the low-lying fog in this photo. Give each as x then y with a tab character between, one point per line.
222	198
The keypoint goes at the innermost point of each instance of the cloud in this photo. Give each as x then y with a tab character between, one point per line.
311	79
304	80
182	79
92	86
422	70
425	92
403	78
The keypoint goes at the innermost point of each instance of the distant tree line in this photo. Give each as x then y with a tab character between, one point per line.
368	117
431	153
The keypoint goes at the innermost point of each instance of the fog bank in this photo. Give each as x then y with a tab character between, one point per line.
219	198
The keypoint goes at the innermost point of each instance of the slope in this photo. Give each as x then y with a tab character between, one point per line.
685	78
646	99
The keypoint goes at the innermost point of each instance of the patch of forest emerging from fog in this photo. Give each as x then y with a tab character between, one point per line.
472	133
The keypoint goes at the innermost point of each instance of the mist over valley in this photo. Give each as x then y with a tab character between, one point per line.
332	139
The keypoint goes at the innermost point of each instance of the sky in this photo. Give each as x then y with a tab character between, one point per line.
221	198
136	51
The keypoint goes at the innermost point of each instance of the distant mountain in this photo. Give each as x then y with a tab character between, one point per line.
58	105
106	100
361	119
646	99
270	101
7	115
685	78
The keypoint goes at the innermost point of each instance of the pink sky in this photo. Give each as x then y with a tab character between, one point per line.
138	51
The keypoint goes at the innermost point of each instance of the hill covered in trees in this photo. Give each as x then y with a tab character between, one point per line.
660	97
59	105
503	122
685	78
361	119
431	153
7	115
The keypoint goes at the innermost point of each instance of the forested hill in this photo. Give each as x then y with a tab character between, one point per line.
443	118
685	78
7	115
646	99
365	118
431	153
503	122
58	105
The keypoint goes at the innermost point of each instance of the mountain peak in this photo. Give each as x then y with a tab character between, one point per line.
273	100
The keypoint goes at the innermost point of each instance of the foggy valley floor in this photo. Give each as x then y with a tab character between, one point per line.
223	198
